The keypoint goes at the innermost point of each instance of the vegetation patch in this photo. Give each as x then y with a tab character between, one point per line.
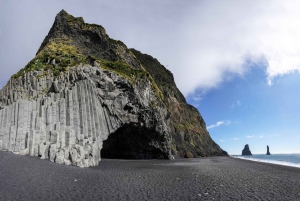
122	69
55	57
179	126
131	74
60	54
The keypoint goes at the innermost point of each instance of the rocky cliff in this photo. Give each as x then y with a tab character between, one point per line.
246	151
190	137
85	95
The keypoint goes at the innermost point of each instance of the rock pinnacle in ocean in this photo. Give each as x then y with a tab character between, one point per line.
268	152
246	151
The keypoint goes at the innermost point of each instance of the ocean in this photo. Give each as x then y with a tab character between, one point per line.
280	159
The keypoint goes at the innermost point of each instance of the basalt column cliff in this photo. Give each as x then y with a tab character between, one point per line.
85	95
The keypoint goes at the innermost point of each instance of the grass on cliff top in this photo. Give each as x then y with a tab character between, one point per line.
60	54
56	57
123	69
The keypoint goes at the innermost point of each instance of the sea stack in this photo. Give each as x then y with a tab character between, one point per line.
246	151
85	96
268	152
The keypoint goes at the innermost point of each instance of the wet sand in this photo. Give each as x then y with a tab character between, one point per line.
216	178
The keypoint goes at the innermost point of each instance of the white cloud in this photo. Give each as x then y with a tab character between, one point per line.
209	42
261	136
219	123
221	40
235	139
197	98
250	136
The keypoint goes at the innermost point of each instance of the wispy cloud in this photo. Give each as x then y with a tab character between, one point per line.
235	139
237	103
219	123
198	95
261	136
250	136
197	98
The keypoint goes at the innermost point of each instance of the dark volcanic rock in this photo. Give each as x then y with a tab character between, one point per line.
91	39
84	94
246	151
189	134
268	152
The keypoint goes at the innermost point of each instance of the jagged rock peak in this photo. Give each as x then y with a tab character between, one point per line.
87	39
246	151
64	15
268	151
64	18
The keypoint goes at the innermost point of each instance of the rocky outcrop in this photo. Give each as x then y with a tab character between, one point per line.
90	39
86	95
189	135
246	151
66	119
268	152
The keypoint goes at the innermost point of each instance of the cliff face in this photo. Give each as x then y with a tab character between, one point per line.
189	135
86	95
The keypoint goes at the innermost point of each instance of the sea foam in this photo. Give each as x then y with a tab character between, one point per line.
291	160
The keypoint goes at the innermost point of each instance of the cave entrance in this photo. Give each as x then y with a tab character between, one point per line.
132	141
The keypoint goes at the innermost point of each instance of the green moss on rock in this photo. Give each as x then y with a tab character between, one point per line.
55	56
131	74
59	54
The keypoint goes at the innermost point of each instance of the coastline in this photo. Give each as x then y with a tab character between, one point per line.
211	178
268	161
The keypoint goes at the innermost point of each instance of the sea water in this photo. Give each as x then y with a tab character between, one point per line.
280	159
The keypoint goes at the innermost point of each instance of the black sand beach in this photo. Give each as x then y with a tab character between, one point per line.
218	178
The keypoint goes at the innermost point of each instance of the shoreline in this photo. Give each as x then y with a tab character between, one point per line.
209	178
269	161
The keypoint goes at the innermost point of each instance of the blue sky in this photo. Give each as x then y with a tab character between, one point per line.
238	62
250	111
